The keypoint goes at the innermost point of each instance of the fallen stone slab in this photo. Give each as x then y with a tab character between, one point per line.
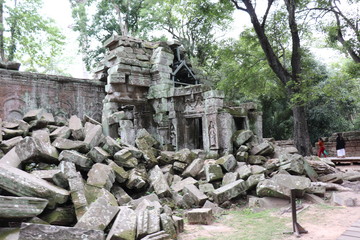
151	198
244	170
76	157
67	144
216	210
194	196
268	202
21	207
229	191
158	182
241	136
7	145
101	175
253	180
313	198
264	149
93	136
97	154
34	114
228	162
120	174
280	186
43	135
76	127
61	132
184	155
213	172
24	184
110	145
32	149
168	225
11	158
121	196
200	216
179	224
292	163
348	199
78	197
94	193
161	235
178	186
54	176
256	159
30	231
64	216
11	133
148	218
229	178
194	168
124	226
137	178
98	216
124	158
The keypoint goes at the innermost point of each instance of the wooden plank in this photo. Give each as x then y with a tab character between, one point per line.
353	228
347	238
351	233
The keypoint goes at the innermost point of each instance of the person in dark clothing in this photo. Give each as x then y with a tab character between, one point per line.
340	146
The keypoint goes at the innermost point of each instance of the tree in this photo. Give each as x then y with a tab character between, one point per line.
290	75
28	37
122	17
343	26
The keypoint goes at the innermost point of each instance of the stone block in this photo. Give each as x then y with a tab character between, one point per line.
33	115
67	144
253	180
179	166
348	199
241	136
151	198
268	202
244	171
178	186
265	149
33	149
97	154
213	172
228	162
200	216
98	216
184	155
229	191
24	184
292	163
168	226
68	169
280	186
124	158
30	231
124	226
158	182
206	188
216	210
194	168
120	174
7	145
64	216
148	218
256	159
101	175
256	169
137	178
179	223
242	156
111	146
194	195
11	158
229	178
78	197
121	196
61	132
93	136
161	235
76	127
21	207
42	135
77	158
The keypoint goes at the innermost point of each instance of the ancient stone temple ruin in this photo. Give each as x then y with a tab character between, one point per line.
152	86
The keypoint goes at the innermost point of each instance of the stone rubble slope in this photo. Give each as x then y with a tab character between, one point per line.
63	179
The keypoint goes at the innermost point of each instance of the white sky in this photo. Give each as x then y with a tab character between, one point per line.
60	11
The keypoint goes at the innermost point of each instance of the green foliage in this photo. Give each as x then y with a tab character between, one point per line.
31	39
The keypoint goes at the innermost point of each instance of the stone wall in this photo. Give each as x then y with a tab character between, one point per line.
352	140
62	96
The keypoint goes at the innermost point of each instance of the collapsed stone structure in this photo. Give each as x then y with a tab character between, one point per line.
87	185
152	86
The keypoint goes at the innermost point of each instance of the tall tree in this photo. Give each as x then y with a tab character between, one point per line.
340	20
290	75
27	37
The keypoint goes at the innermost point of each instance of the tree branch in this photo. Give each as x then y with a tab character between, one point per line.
238	6
270	2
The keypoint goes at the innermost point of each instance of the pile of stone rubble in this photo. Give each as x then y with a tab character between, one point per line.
63	179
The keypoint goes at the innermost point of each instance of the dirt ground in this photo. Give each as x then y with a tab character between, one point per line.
321	222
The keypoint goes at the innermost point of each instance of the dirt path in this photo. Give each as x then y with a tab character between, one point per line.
322	223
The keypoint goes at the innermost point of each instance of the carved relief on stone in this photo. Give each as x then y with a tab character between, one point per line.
194	104
13	108
213	133
173	134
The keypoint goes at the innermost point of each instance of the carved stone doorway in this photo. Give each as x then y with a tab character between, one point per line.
194	133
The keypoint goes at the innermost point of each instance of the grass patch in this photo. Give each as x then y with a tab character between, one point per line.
251	225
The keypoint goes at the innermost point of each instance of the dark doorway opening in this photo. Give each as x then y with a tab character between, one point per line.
240	123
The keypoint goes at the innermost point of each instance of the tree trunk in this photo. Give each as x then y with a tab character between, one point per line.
2	44
300	131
